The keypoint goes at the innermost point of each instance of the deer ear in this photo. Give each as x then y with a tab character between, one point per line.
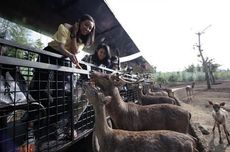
222	104
210	102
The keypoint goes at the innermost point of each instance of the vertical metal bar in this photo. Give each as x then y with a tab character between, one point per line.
71	107
14	124
28	112
63	96
57	101
48	115
39	100
49	109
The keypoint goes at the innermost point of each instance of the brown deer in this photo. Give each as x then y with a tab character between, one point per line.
189	91
159	92
131	116
114	140
153	99
220	115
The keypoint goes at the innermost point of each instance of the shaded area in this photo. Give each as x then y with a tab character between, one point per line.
84	145
45	15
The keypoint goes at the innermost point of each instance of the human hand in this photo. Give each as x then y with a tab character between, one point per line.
78	66
73	58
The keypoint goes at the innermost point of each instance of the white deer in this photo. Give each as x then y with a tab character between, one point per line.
220	115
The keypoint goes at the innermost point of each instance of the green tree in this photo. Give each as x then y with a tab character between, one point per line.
173	78
39	44
190	68
14	32
212	67
199	68
161	80
17	33
21	35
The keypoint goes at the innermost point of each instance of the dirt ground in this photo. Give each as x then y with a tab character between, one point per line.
201	110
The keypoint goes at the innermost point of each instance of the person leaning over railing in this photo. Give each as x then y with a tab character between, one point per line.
114	63
100	57
67	41
71	39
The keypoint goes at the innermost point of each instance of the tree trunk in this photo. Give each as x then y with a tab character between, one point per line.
207	77
213	78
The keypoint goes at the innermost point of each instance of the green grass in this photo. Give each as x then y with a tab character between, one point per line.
172	77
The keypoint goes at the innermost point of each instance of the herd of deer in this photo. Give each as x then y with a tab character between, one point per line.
156	124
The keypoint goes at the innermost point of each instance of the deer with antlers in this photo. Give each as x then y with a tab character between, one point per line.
116	140
131	116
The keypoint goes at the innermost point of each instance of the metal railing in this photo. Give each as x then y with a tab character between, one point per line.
42	104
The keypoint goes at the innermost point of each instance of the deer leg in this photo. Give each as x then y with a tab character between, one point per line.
220	141
226	133
190	96
186	92
213	129
225	128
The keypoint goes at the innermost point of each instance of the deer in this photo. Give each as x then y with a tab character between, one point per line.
134	117
219	115
116	140
159	92
154	99
189	91
166	92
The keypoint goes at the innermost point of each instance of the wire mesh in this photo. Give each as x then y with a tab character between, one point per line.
42	107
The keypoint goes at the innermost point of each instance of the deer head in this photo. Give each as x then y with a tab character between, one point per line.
108	82
216	106
94	96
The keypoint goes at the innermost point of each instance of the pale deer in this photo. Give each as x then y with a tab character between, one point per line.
220	115
189	91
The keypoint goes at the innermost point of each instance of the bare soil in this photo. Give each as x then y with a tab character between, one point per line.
202	112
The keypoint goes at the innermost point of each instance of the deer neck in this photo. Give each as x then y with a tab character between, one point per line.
102	129
116	97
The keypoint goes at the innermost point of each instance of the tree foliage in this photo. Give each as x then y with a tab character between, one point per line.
19	34
190	68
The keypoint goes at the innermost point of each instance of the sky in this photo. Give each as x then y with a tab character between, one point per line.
165	30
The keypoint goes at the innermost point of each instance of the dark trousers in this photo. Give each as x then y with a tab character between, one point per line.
48	87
